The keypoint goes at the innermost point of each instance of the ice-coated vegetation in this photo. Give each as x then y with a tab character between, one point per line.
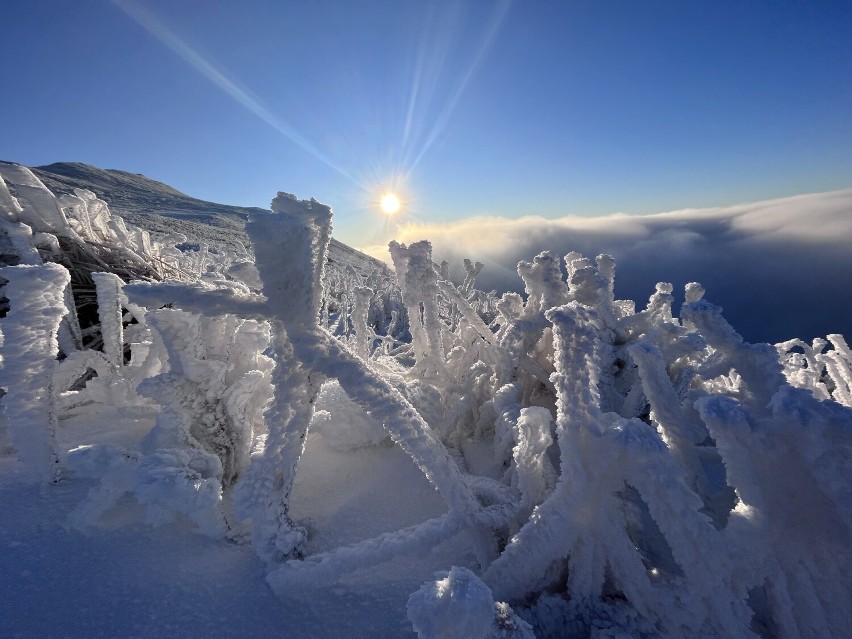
609	471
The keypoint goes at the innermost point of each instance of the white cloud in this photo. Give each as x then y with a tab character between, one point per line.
781	268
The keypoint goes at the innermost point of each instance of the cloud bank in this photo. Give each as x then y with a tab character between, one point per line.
780	268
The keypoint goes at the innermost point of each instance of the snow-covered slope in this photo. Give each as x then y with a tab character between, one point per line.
159	208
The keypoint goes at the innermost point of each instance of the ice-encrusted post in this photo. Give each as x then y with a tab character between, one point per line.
108	286
291	245
419	285
290	250
295	294
360	313
29	332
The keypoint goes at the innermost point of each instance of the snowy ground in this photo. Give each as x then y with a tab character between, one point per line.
127	579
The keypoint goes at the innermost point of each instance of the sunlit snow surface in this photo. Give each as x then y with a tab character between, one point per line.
126	579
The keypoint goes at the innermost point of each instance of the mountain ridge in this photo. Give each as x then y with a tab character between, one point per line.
159	208
126	190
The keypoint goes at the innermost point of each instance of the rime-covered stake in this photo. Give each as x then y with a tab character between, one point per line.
290	247
108	288
307	226
419	284
37	305
360	312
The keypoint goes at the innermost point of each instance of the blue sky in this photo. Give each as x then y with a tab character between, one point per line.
467	109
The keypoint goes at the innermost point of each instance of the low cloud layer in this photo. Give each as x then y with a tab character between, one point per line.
780	268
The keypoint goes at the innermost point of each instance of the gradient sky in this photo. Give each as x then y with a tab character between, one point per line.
478	108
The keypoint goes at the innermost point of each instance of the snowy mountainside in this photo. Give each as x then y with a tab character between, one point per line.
160	208
125	189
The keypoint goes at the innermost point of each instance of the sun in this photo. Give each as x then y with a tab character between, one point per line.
390	203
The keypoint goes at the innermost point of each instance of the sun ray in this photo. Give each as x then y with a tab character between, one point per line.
424	116
492	28
144	18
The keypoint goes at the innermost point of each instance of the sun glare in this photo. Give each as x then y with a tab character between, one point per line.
390	203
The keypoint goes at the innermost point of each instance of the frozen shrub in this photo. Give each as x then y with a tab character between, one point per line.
215	388
792	527
614	472
108	288
419	284
212	388
828	375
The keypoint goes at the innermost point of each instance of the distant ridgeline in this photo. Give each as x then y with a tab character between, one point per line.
159	208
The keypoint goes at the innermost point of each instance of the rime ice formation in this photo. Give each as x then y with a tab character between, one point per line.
459	605
599	470
29	348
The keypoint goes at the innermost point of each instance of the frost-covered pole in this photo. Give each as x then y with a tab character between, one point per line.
263	493
419	285
360	313
290	248
471	272
37	305
108	286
